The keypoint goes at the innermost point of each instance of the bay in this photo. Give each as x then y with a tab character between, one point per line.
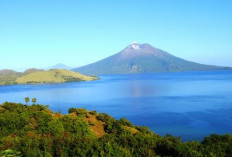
187	104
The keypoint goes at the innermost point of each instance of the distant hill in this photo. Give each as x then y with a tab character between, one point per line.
9	76
53	76
33	70
34	76
142	58
6	72
60	66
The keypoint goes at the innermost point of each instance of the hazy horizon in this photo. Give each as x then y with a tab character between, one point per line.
41	34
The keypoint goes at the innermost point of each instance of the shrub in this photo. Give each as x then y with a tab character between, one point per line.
93	112
105	118
71	110
125	122
82	112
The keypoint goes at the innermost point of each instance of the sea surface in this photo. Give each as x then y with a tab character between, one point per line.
187	104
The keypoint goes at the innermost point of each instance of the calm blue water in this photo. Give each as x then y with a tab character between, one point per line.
188	104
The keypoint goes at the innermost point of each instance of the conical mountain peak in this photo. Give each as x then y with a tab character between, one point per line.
142	58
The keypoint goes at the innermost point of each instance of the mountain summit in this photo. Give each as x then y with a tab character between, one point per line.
135	50
135	45
142	58
60	66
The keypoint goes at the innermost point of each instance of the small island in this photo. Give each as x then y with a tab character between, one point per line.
38	76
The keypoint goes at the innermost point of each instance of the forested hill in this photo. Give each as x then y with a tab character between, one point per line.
37	131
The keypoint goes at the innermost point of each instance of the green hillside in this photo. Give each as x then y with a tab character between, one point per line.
33	70
34	130
36	76
53	76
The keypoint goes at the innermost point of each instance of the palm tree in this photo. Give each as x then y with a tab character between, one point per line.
34	100
27	99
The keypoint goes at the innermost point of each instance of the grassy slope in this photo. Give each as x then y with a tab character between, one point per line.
97	126
53	76
9	76
33	70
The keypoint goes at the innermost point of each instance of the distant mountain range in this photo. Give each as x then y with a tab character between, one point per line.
142	58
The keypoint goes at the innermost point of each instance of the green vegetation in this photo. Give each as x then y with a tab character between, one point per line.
34	100
35	76
27	100
36	131
11	153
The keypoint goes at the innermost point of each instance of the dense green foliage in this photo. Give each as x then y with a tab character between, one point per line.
36	131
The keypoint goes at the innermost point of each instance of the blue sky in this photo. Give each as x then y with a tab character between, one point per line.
76	32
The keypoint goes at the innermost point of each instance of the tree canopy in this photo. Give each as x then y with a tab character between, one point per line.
36	131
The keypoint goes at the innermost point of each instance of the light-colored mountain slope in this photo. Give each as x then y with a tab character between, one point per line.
31	76
53	76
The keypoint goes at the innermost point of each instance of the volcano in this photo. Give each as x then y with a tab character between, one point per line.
142	58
